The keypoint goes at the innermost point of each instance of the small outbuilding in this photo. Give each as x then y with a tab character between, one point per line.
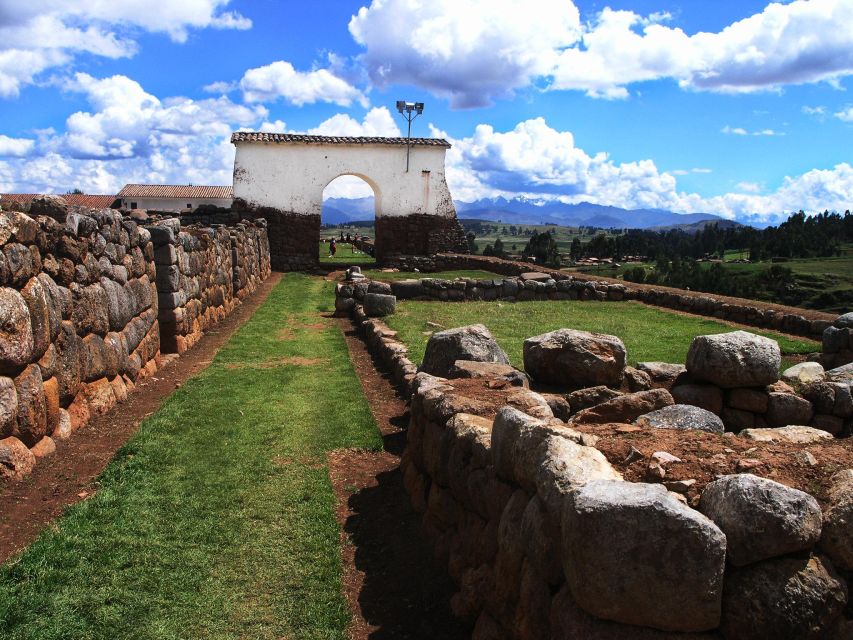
174	197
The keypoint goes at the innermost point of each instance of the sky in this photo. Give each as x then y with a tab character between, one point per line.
739	108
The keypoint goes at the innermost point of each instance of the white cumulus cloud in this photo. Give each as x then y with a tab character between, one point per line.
15	147
845	115
281	80
377	122
536	161
472	51
38	35
469	51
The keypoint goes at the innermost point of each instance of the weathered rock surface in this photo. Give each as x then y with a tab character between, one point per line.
625	408
681	416
761	518
735	359
575	358
706	396
591	396
636	555
663	374
563	466
784	409
804	373
792	433
837	537
473	342
16	332
494	370
16	461
792	597
841	374
379	304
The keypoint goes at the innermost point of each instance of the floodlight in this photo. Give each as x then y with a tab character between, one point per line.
410	111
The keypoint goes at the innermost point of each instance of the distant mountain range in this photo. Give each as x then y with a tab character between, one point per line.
523	211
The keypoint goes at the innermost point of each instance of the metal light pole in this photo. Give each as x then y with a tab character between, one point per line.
410	111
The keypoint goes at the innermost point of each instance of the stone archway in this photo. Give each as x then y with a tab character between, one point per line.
282	176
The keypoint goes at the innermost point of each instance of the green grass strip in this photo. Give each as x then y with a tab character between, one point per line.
217	519
649	334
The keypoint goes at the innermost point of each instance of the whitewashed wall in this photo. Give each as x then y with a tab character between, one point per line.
291	176
174	204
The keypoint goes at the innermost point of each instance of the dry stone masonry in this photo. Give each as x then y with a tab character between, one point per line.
84	294
202	273
543	535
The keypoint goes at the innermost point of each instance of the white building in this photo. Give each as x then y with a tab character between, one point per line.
175	198
288	172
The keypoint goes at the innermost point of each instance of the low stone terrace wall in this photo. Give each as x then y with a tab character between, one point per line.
791	320
597	528
835	333
79	323
84	294
202	272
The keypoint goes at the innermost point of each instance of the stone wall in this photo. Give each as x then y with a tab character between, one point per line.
80	301
293	238
544	539
250	257
79	330
202	272
838	342
416	235
801	322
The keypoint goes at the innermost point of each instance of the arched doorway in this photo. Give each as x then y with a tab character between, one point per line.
351	204
282	176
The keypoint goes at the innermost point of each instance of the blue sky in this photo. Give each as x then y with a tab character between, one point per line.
735	108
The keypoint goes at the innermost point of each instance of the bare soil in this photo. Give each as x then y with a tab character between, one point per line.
704	456
67	476
394	587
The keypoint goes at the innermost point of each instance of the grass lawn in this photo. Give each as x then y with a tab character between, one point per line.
217	519
378	274
346	255
648	333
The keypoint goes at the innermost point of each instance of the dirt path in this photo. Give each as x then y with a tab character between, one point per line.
66	476
394	587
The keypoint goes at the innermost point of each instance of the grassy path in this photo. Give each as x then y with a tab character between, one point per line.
216	520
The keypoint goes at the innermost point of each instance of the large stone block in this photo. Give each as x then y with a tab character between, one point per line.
16	460
624	408
706	396
682	416
8	407
735	359
761	518
785	409
32	415
633	554
575	358
837	536
16	331
473	342
379	304
790	597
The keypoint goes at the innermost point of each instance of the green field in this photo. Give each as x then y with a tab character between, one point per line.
648	333
217	519
346	255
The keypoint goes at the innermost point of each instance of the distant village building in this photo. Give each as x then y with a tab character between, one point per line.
175	198
74	199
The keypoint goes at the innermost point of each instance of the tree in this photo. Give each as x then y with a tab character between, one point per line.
576	250
74	192
499	248
543	248
472	245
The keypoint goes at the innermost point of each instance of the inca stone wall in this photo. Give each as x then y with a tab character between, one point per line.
79	309
799	322
202	273
250	256
545	537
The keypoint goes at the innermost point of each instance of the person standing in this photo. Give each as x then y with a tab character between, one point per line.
333	248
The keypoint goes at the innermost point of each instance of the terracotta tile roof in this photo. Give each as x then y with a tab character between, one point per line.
182	191
74	199
257	136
